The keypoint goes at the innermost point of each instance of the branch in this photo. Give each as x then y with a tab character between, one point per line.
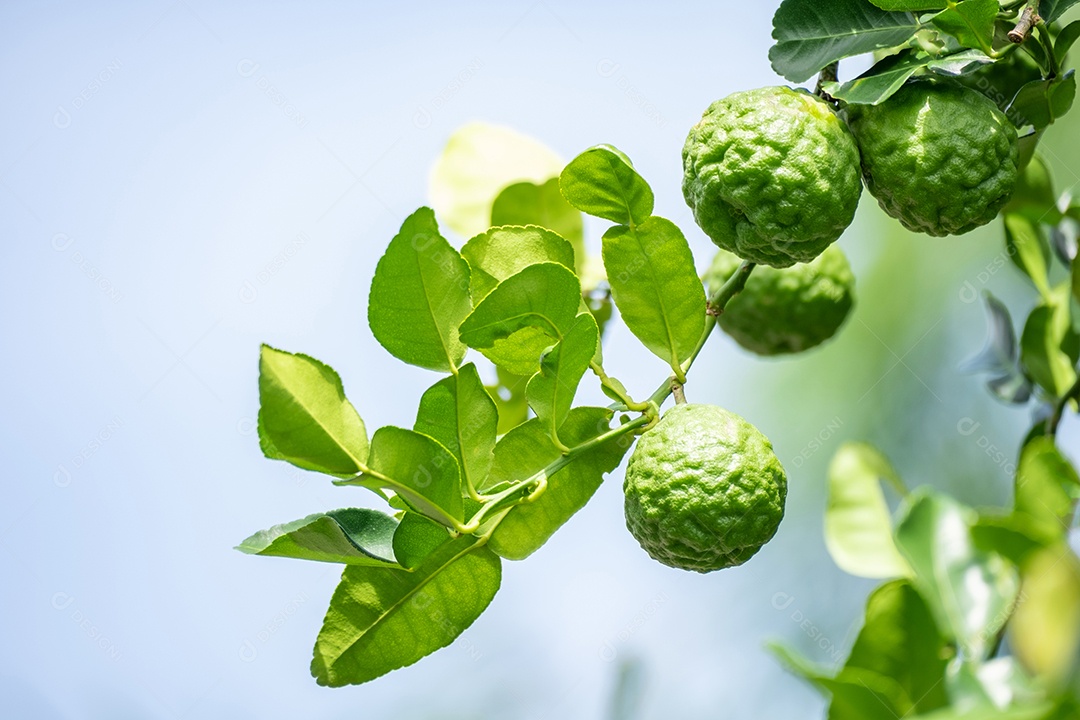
714	308
1029	16
827	74
1054	420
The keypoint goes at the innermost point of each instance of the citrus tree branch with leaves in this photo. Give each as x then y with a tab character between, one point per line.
942	130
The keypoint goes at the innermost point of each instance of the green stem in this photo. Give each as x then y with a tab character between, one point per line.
829	73
534	486
716	304
1047	43
1054	421
605	380
375	480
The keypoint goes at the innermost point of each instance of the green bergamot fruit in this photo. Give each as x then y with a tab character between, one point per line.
772	175
704	490
939	157
789	310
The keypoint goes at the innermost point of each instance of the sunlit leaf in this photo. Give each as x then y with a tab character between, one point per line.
858	526
383	619
656	287
1045	632
419	296
603	182
304	417
527	203
458	412
354	536
969	591
478	161
900	640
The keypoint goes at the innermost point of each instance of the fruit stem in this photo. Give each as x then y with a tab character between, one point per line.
677	391
714	307
1029	16
829	73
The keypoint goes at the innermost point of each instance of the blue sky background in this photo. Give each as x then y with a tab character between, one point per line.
180	182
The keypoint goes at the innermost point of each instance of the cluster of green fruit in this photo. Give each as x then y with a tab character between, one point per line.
773	177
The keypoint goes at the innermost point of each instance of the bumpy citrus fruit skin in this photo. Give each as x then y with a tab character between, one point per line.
772	175
940	158
704	490
786	311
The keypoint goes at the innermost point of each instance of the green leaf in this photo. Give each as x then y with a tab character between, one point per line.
857	694
1066	38
911	5
509	396
1029	250
419	296
959	63
479	160
797	664
551	391
1074	280
603	182
1051	10
416	467
971	22
858	527
1045	631
1000	682
519	353
1035	711
1027	144
1047	330
528	203
416	538
1034	197
501	252
545	296
969	591
525	451
655	286
899	640
863	695
889	74
810	34
458	412
879	82
304	417
1012	536
1047	488
1041	102
381	619
354	536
